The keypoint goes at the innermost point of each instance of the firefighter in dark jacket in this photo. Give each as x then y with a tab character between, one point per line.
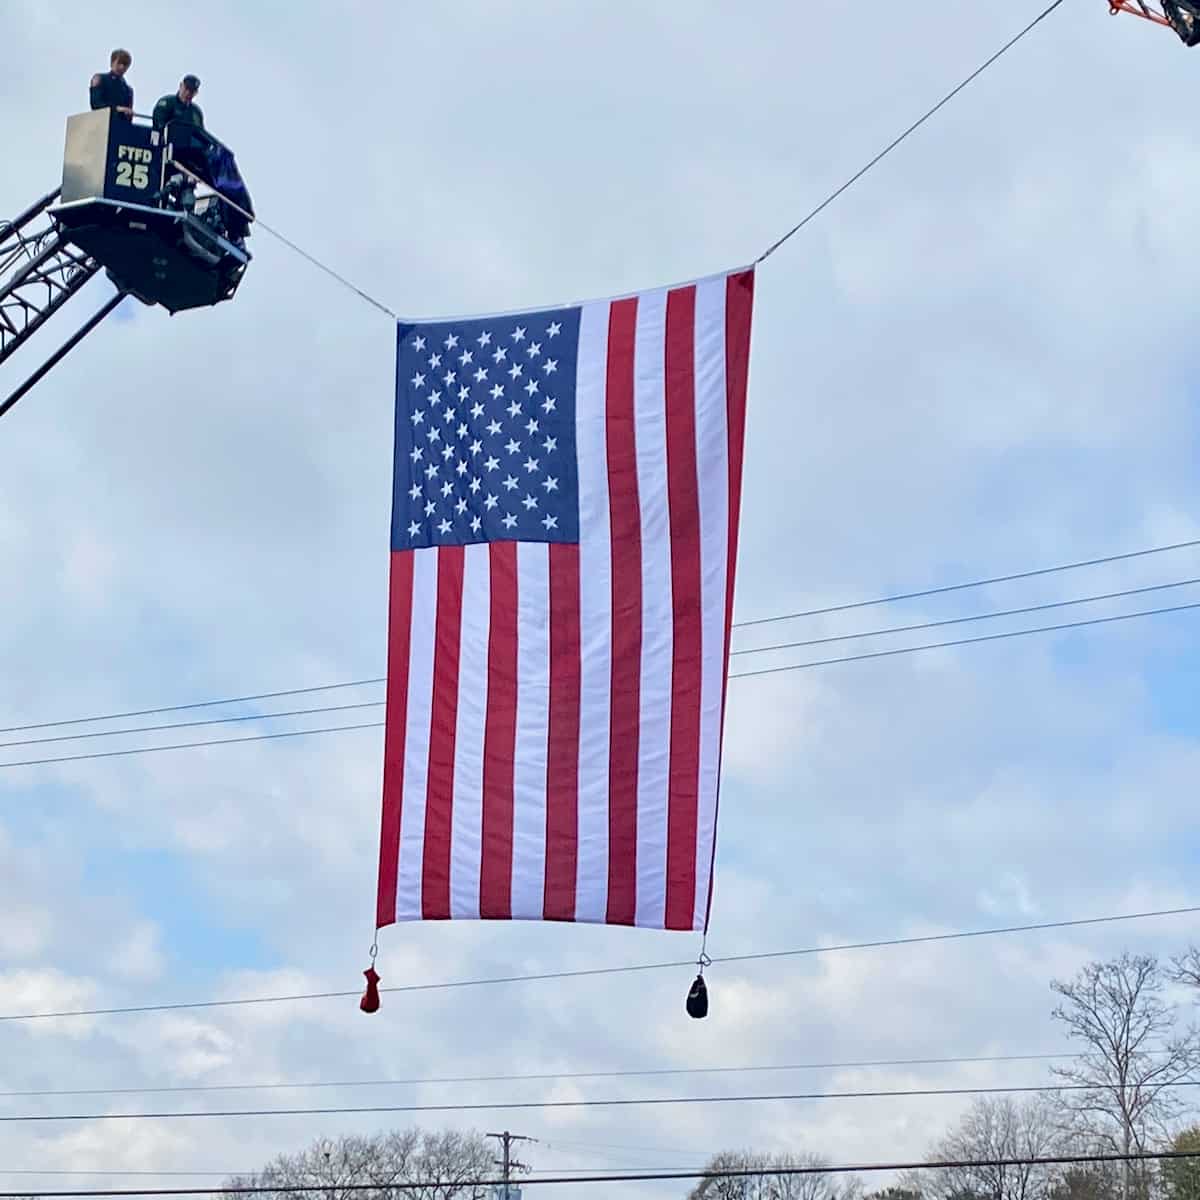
184	123
110	89
180	107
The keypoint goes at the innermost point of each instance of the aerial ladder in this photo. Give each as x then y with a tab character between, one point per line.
156	210
1183	16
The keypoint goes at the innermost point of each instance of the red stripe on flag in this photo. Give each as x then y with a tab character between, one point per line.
684	504
739	301
625	525
439	796
562	752
395	740
500	737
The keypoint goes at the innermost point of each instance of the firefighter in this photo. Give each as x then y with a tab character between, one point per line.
181	107
111	90
180	117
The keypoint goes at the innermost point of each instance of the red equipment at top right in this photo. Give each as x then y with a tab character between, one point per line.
1183	16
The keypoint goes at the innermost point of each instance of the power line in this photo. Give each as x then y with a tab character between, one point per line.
926	939
824	662
1107	560
775	647
1057	1160
558	1143
257	737
560	1105
606	1150
126	1174
150	712
538	1078
336	708
27	1171
991	616
24	1171
907	133
576	1172
592	972
991	637
812	612
272	716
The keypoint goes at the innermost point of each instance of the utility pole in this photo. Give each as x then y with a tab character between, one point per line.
508	1164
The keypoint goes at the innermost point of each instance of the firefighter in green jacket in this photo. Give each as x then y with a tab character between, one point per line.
183	122
180	108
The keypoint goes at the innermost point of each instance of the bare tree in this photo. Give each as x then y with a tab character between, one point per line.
716	1185
445	1165
1132	1056
1186	968
815	1185
999	1132
450	1160
761	1177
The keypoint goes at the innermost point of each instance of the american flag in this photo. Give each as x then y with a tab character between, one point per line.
564	536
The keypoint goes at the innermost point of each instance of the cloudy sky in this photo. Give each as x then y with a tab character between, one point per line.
979	361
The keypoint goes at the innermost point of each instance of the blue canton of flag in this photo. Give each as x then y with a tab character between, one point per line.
485	431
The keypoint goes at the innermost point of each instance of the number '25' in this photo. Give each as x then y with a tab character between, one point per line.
132	175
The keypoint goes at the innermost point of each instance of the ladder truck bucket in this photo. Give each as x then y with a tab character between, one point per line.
126	204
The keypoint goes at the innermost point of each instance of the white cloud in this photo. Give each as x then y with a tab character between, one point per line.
47	989
139	957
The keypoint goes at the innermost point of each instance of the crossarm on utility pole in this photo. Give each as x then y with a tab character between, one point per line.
508	1164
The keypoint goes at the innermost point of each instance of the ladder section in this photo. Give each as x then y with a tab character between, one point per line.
39	273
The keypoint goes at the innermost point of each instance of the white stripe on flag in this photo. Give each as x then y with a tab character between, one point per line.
712	456
654	751
416	738
533	718
466	845
595	603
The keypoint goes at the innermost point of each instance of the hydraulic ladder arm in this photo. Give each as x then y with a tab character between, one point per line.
39	272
